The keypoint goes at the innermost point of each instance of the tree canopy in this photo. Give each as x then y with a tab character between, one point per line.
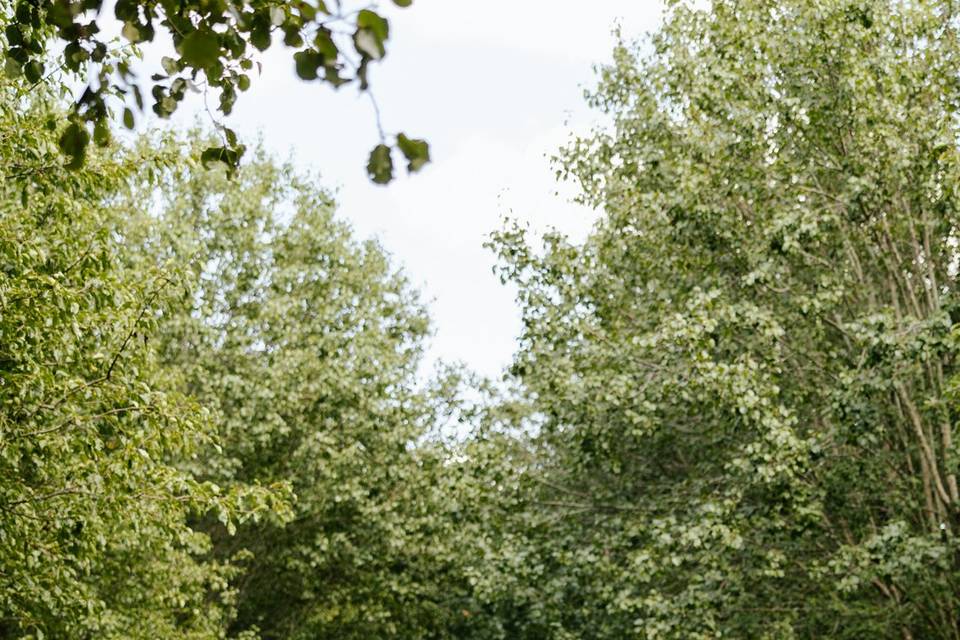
746	376
305	342
94	525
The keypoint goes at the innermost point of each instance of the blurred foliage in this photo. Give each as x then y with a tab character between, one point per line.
215	46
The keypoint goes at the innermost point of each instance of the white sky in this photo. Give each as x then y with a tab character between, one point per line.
495	87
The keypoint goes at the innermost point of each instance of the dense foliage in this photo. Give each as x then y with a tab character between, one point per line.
746	376
94	535
732	412
305	345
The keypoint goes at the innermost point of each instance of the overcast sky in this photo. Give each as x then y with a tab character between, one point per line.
495	87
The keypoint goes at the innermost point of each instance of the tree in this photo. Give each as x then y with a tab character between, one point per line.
746	376
215	44
304	344
94	510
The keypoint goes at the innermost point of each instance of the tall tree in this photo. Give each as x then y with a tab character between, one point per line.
304	343
746	376
94	535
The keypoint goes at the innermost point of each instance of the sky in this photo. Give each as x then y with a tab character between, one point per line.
496	87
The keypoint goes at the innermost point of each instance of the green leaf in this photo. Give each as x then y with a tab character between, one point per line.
14	35
12	68
331	76
101	132
33	71
212	155
130	32
367	44
169	65
380	165
201	48
403	3
292	37
228	155
325	46
372	32
367	19
128	120
416	150
73	142
260	36
307	62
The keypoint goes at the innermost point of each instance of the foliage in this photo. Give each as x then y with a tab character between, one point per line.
216	41
746	376
732	412
304	343
94	539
